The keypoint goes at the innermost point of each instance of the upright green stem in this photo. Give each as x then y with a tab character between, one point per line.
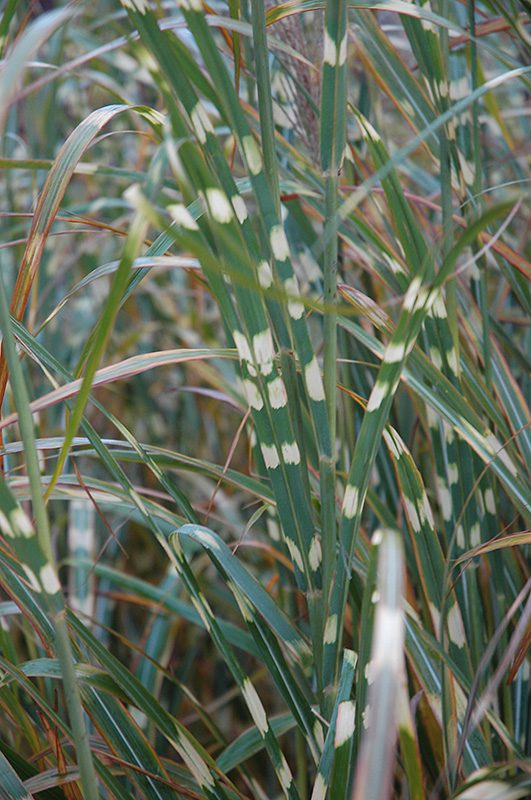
267	129
333	137
250	83
332	146
330	303
475	144
450	730
75	708
265	105
328	510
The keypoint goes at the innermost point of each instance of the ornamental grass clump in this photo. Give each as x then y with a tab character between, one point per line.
264	497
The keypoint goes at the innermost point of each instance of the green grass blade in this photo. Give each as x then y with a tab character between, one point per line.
11	787
375	762
35	551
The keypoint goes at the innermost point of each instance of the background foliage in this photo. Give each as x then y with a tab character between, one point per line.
265	442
